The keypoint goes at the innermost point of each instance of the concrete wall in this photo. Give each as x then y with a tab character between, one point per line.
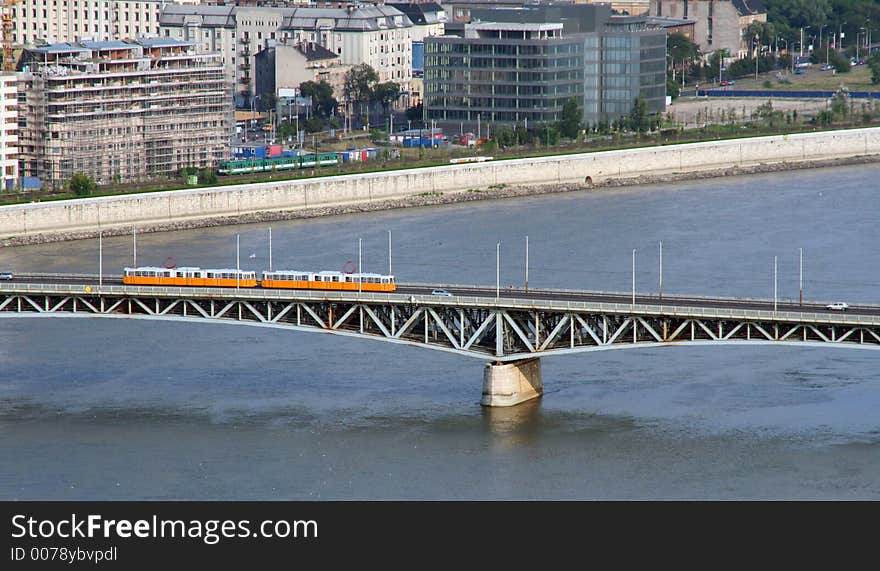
586	169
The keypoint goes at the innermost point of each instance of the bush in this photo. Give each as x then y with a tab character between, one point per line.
207	176
767	84
82	184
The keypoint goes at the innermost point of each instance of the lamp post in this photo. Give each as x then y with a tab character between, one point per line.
527	263
634	277
840	36
660	288
801	279
134	246
802	40
497	270
775	289
360	272
389	252
100	258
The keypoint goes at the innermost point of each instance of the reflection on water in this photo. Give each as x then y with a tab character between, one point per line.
512	426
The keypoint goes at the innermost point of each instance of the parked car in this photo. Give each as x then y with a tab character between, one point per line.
837	306
6	275
442	292
727	82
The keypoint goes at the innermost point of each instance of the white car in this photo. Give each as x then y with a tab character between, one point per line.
6	275
837	306
441	292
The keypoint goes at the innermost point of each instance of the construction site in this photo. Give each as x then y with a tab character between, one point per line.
121	111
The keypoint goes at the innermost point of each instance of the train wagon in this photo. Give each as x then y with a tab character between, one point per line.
189	277
293	279
245	166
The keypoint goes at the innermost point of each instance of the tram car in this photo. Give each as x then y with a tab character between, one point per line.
281	279
189	277
292	279
278	163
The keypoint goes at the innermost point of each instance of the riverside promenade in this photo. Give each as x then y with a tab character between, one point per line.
255	202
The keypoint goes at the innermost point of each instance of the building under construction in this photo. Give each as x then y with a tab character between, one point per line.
122	111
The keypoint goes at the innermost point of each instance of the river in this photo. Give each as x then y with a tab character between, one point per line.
116	409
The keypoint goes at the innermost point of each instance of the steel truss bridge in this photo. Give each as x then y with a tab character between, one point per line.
512	327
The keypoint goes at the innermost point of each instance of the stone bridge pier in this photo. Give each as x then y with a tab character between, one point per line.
508	384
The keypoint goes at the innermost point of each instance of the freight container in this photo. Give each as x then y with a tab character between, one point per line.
273	150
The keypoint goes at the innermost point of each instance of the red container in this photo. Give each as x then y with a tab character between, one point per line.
273	150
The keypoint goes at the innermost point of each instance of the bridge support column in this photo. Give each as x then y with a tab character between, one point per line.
508	384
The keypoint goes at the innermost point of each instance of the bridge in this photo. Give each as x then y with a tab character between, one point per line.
510	329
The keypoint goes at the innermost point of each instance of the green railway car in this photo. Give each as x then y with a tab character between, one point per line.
278	163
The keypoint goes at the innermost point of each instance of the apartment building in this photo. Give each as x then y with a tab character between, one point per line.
54	21
121	111
287	66
719	24
8	131
378	35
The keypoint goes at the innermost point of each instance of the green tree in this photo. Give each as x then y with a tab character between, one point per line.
838	62
874	64
682	52
386	93
638	118
321	93
268	101
82	184
570	121
313	125
358	84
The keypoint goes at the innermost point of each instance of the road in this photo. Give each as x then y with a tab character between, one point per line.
522	294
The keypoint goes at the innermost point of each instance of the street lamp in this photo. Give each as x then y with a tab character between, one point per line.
802	40
820	34
840	36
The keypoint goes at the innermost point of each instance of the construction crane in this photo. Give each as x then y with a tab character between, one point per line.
8	53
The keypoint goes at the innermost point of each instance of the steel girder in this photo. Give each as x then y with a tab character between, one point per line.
496	333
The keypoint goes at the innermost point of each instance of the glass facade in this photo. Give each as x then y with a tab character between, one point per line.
501	79
526	74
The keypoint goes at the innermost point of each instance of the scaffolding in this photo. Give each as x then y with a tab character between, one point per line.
123	111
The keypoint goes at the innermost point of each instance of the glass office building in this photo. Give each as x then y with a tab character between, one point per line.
521	65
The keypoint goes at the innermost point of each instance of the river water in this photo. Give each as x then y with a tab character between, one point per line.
117	409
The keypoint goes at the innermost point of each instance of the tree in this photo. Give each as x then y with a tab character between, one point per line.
570	121
386	93
874	64
82	184
638	119
838	62
414	113
268	101
321	93
359	83
682	51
